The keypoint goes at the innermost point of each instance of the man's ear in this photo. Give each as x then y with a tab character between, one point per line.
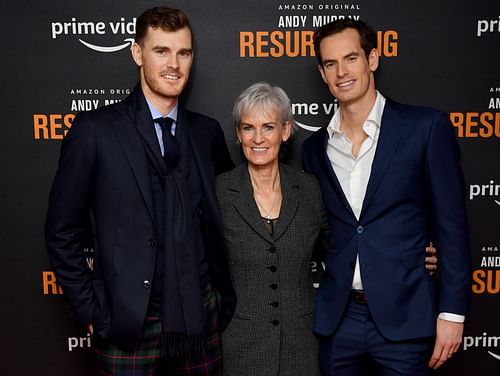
136	51
373	59
322	72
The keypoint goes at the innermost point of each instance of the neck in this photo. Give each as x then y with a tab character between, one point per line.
354	115
264	178
160	102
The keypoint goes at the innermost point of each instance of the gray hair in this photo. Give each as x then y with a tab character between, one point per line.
265	96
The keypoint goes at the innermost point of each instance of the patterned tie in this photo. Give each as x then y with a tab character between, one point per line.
172	151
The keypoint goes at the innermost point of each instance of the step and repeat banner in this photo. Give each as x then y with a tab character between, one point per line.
63	57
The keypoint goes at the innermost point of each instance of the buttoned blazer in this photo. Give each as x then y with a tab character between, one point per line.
415	179
271	331
104	175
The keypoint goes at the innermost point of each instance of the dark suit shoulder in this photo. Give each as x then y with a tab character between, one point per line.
304	179
223	180
94	120
413	111
196	119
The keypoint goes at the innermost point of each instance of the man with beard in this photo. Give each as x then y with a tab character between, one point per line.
141	174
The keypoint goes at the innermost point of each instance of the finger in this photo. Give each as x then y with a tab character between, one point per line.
440	355
440	361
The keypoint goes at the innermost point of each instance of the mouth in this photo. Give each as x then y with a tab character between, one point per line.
259	149
171	76
345	84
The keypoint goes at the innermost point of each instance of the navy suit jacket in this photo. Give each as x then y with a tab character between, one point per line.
416	180
104	175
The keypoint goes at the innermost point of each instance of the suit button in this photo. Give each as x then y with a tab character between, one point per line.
275	322
146	284
273	268
360	229
275	304
272	250
152	242
274	286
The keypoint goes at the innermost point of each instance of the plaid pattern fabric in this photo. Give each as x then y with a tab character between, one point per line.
146	359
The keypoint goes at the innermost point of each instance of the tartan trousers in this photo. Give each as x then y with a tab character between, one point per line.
146	359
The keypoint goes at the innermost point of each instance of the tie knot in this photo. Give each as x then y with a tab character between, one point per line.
165	123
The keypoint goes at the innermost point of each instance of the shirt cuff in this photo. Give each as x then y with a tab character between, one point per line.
451	317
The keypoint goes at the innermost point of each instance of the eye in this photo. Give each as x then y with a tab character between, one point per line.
330	65
268	128
247	128
185	53
352	59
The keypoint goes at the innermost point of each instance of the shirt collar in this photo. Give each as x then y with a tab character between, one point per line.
156	114
375	117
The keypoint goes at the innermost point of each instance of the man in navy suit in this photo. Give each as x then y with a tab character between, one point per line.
142	173
387	172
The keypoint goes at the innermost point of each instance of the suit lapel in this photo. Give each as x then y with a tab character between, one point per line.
390	134
130	127
330	173
290	190
244	203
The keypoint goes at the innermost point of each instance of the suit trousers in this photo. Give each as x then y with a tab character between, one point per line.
146	359
358	348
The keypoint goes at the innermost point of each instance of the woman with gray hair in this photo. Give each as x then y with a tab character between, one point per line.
274	219
273	216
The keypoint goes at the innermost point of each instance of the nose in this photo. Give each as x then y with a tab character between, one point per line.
172	61
341	70
257	137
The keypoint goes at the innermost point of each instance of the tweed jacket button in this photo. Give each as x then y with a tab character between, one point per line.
275	304
272	250
273	268
274	286
146	284
275	322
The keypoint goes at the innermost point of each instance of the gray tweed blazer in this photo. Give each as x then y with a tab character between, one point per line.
271	331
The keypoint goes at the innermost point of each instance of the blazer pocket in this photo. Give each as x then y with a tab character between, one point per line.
413	258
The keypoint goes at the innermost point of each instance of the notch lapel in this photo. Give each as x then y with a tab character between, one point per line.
130	127
327	167
290	202
240	186
391	130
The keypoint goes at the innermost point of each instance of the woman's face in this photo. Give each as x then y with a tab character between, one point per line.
261	134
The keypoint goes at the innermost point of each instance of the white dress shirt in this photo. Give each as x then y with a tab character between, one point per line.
353	172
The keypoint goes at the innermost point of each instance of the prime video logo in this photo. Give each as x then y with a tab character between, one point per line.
485	190
85	28
484	342
488	26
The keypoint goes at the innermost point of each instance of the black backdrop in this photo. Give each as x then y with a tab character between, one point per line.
59	57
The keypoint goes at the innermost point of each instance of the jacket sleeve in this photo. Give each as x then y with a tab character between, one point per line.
68	217
447	188
223	161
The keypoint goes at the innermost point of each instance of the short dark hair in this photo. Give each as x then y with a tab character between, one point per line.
167	19
367	36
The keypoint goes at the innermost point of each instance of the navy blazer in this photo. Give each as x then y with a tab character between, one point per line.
104	174
416	180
